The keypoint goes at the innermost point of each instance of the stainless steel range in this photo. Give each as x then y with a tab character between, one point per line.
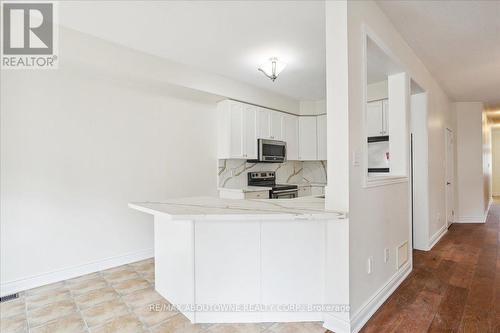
268	179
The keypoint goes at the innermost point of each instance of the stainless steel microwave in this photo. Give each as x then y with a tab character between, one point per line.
272	151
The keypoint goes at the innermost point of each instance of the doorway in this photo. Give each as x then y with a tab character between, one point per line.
449	174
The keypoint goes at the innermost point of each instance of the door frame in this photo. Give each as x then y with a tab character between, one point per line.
448	132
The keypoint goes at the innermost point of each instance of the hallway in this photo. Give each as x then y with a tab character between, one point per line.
455	287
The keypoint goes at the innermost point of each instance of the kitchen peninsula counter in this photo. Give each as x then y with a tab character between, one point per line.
252	253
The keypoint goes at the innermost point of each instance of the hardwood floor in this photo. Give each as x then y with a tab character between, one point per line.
455	287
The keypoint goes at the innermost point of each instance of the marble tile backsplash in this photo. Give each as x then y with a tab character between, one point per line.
233	173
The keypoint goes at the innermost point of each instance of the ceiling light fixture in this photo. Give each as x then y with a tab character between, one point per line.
272	68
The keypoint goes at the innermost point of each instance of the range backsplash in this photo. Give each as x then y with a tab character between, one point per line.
233	173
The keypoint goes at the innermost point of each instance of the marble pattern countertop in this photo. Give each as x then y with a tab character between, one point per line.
245	189
213	208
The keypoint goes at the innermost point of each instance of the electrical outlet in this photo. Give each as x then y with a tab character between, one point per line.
370	265
386	255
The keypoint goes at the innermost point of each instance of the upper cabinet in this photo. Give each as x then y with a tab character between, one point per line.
237	130
377	118
241	124
321	128
307	139
269	124
291	136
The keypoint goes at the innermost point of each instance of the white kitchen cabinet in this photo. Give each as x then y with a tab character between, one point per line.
291	136
304	190
317	190
321	136
269	124
307	139
250	132
241	124
228	193
276	125
263	123
237	132
376	117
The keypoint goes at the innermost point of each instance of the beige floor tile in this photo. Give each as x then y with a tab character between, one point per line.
129	286
152	316
69	324
103	312
150	279
117	269
143	262
144	268
142	297
12	308
94	297
120	276
306	327
179	324
82	278
50	312
45	288
237	328
43	298
124	324
85	286
14	324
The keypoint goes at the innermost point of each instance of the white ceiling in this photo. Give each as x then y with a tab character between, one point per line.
458	41
231	38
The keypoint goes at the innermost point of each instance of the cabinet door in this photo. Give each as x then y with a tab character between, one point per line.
276	125
236	129
263	123
307	139
385	117
250	132
321	127
374	118
291	136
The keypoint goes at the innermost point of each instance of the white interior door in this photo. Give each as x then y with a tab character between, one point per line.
450	181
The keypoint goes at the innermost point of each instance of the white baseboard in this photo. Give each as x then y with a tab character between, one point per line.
470	219
14	286
334	324
364	314
437	237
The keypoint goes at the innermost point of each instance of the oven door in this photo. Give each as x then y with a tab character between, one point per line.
272	151
285	194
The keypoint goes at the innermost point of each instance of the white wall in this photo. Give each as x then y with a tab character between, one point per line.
78	143
376	91
379	217
471	203
495	153
421	236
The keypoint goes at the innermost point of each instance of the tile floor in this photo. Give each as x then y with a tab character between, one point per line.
114	300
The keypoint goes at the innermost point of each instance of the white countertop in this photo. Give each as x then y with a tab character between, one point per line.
308	184
212	208
245	189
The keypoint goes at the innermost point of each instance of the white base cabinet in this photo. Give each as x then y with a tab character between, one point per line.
241	263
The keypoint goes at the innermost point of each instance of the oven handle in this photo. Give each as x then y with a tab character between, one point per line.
285	191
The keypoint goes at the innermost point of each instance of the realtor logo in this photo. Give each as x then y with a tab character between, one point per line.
28	35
